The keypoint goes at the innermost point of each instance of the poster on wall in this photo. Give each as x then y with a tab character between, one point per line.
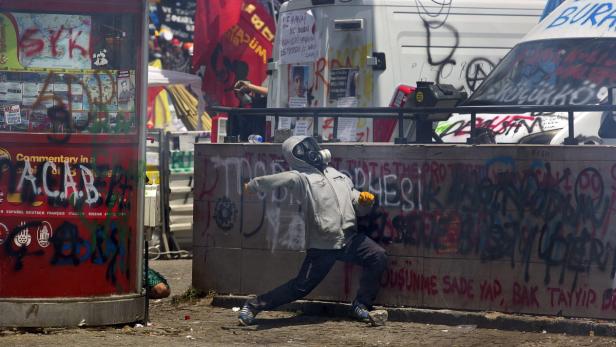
126	91
298	86
12	115
47	62
298	37
343	82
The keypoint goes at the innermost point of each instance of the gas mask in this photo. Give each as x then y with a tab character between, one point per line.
309	151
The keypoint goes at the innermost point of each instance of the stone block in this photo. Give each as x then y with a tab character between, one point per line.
217	269
263	270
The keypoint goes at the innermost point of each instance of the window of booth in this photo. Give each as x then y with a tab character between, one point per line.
68	73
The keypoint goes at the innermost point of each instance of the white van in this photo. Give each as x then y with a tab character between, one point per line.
567	59
340	53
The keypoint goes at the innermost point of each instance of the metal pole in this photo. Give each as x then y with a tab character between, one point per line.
146	266
400	139
471	139
315	124
571	139
336	128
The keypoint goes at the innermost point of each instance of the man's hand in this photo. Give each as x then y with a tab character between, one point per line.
366	198
242	86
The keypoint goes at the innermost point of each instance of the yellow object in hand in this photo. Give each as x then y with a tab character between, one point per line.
366	198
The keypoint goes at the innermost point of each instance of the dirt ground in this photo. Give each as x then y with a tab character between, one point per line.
198	324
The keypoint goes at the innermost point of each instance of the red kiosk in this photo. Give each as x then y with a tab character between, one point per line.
72	85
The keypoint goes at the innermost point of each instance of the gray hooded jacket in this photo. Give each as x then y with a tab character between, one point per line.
329	198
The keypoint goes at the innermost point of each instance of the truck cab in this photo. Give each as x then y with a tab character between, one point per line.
566	59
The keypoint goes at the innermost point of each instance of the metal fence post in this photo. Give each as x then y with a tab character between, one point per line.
571	139
400	139
471	139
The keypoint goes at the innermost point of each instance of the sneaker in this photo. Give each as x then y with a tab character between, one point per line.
247	315
375	317
360	312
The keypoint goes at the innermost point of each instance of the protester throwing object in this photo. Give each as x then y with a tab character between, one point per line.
330	202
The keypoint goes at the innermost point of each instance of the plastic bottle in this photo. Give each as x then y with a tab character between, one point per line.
255	138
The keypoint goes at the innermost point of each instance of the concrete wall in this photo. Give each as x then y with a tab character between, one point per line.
528	229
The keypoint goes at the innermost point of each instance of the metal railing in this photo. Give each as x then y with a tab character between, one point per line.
417	113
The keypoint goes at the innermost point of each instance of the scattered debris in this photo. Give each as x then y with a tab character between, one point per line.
191	295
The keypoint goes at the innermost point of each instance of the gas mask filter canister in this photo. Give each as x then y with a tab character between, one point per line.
310	152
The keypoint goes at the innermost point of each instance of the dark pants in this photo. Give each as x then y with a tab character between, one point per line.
360	250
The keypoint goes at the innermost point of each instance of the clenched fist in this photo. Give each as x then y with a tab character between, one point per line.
366	198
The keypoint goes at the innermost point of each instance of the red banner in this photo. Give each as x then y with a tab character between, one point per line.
234	49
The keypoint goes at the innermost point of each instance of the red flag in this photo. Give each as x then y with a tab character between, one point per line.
233	40
212	19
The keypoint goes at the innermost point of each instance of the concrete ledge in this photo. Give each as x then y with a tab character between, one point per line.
486	320
33	313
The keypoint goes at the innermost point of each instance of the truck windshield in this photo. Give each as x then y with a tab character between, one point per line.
551	72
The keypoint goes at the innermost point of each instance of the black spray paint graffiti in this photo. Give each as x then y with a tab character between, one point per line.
476	70
61	114
22	251
534	218
256	229
436	12
507	126
105	247
555	217
448	60
225	213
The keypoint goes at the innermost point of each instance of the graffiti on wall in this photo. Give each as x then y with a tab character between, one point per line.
63	211
546	222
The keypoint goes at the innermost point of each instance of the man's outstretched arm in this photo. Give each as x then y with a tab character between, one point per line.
287	179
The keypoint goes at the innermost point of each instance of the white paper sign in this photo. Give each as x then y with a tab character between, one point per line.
298	39
301	128
187	142
297	102
347	129
12	114
284	123
349	101
152	158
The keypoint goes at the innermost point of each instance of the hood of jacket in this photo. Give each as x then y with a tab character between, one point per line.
295	163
